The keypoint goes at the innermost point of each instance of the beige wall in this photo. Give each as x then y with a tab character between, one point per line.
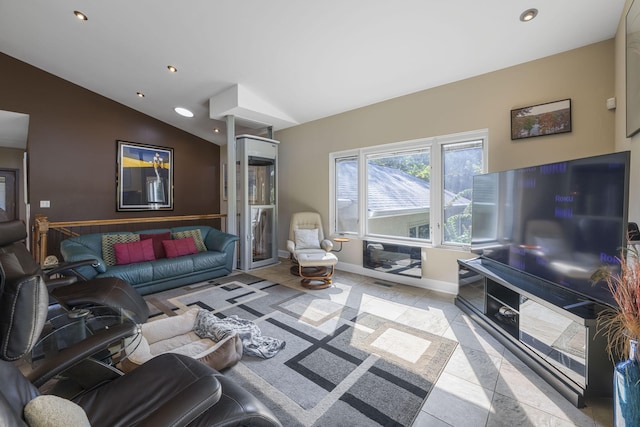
622	142
585	75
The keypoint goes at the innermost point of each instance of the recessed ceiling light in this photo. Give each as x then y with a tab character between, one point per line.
183	112
81	16
140	94
172	68
528	15
216	130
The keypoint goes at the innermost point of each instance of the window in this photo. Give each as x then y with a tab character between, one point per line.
419	231
461	161
410	191
346	189
397	192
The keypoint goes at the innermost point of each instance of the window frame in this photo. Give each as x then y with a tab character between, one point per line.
436	210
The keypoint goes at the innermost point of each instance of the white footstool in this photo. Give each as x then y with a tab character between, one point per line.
323	272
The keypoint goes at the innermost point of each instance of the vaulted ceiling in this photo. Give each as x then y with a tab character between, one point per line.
296	61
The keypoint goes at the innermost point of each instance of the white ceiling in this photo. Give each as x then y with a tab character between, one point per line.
306	59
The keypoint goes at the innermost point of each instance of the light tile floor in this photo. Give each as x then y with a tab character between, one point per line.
483	384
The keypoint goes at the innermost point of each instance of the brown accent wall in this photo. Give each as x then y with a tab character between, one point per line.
72	148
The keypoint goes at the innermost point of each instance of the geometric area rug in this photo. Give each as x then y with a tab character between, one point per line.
340	367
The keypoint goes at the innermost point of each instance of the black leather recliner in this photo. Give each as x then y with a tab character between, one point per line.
68	291
169	390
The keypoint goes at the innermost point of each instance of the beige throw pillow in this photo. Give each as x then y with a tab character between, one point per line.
54	411
197	238
307	238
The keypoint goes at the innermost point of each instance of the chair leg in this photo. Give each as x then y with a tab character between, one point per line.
326	277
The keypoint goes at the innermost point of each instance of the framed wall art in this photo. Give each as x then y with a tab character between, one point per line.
144	177
542	119
632	41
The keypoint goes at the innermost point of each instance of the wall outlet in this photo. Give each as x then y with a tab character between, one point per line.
45	204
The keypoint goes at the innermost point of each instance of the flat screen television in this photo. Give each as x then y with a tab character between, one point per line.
559	222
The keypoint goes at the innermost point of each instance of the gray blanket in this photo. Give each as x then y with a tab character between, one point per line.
253	343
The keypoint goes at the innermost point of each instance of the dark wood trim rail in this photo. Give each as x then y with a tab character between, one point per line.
44	243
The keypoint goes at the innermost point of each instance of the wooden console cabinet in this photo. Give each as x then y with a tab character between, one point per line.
551	329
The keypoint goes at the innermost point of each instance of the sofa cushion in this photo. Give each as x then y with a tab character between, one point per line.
128	253
197	238
208	260
157	239
140	272
166	268
108	240
179	247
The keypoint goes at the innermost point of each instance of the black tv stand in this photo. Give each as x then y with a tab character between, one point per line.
551	329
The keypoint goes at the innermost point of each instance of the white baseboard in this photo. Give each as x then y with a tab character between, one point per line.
424	283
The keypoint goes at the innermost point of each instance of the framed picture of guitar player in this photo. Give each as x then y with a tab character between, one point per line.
144	178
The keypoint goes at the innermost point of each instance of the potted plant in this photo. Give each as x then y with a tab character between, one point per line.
621	325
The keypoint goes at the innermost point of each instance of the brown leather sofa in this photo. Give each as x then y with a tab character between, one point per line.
169	390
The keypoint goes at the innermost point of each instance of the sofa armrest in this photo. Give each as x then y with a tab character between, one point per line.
75	354
327	245
220	241
217	240
168	390
239	405
60	281
70	270
75	253
291	246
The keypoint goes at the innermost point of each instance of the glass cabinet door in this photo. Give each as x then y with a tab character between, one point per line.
261	181
471	287
257	198
261	199
262	219
556	338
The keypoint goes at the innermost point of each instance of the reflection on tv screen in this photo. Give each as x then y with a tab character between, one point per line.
560	222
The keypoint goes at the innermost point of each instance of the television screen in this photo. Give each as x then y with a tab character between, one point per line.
560	222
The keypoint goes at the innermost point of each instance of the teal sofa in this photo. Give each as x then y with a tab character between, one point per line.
159	274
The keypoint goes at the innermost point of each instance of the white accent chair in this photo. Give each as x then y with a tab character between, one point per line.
310	250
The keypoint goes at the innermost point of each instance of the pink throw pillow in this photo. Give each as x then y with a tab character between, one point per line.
179	247
128	253
157	239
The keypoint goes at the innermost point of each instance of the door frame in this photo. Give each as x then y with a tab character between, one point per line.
15	175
